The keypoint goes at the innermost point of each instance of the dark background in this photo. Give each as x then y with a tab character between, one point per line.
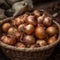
52	6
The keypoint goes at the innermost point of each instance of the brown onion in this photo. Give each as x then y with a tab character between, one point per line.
24	17
20	19
17	21
41	42
40	19
40	32
51	30
52	39
21	27
8	40
6	26
29	29
31	20
12	30
47	21
17	34
37	13
21	45
28	39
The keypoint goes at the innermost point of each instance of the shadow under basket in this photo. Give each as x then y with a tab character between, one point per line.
41	53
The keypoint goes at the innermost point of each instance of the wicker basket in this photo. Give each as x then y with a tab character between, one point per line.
41	53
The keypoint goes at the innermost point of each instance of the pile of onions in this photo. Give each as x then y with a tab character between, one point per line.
35	29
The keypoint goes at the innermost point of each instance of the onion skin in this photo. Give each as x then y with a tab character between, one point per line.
8	40
31	20
41	43
29	29
52	39
51	30
21	45
47	21
40	32
28	39
5	27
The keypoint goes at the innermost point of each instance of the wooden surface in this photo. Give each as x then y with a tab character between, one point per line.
51	7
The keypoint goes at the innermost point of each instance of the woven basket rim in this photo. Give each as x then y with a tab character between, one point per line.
30	49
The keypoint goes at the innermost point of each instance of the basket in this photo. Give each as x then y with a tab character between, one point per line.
41	53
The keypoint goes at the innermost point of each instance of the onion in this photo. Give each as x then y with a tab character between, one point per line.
21	45
29	29
52	39
5	27
17	21
47	21
8	40
40	32
12	30
20	19
31	20
23	18
40	19
41	43
28	39
21	27
18	34
37	13
51	30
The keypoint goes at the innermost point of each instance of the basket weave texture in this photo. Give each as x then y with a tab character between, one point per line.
41	53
